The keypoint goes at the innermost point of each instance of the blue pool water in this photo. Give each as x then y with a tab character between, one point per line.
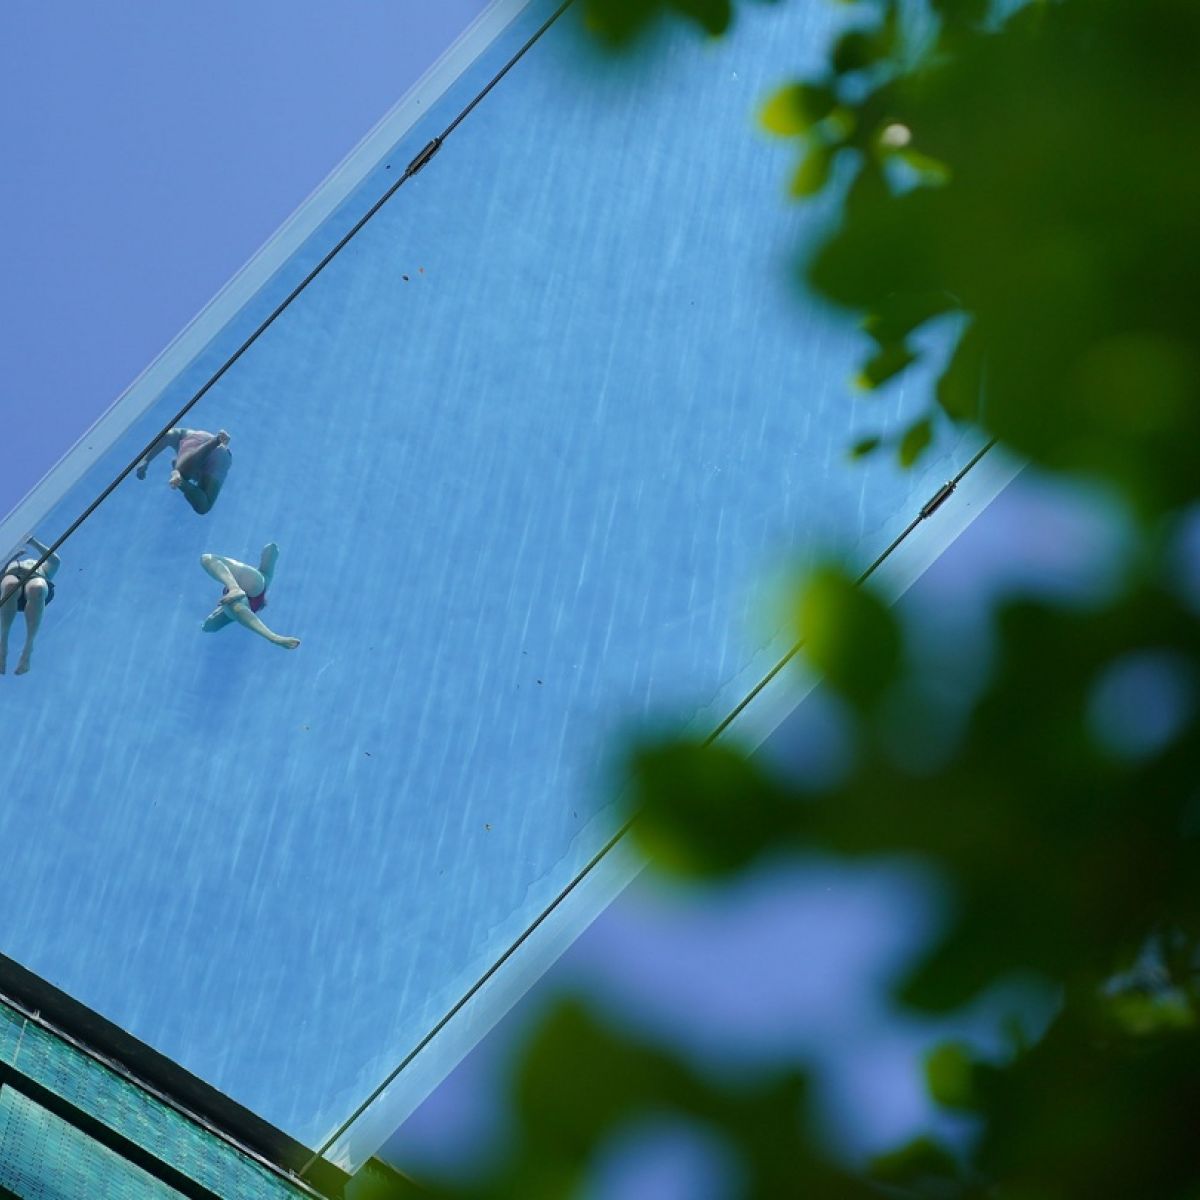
530	446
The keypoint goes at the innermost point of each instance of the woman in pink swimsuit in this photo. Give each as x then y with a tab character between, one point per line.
244	594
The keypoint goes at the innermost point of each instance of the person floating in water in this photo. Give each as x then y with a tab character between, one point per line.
202	461
244	595
24	589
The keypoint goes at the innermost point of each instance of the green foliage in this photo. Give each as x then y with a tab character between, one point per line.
619	21
581	1085
1084	1113
916	440
888	361
949	1073
921	1166
847	634
1063	225
813	172
794	110
1035	178
681	797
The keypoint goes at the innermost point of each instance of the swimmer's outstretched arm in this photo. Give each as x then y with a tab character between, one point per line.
169	441
51	565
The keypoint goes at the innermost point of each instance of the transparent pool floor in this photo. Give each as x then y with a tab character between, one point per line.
529	448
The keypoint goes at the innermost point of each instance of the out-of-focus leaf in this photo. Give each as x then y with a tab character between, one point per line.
848	635
962	11
898	316
712	15
916	1165
793	111
868	189
1082	1115
861	48
915	441
949	1074
702	810
377	1181
857	49
884	364
888	248
813	172
619	21
929	170
841	125
1141	1014
579	1083
960	388
865	446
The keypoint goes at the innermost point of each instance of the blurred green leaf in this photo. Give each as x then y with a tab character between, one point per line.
375	1180
962	11
1141	1014
1080	1115
579	1083
702	809
793	111
813	172
620	21
865	446
960	389
949	1074
915	1165
856	49
931	171
848	635
916	440
712	15
886	363
897	316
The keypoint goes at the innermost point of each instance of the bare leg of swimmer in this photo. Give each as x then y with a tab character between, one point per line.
217	619
36	591
235	577
242	614
10	586
240	583
201	496
266	563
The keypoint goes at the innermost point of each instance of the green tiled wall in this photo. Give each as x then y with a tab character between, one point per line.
43	1157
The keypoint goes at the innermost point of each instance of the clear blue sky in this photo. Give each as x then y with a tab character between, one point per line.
149	149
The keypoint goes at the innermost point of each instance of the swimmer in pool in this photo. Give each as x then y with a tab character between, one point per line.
244	595
23	589
202	461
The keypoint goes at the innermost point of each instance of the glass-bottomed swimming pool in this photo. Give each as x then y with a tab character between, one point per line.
529	446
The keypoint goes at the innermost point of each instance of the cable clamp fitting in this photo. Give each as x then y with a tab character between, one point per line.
938	499
422	158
